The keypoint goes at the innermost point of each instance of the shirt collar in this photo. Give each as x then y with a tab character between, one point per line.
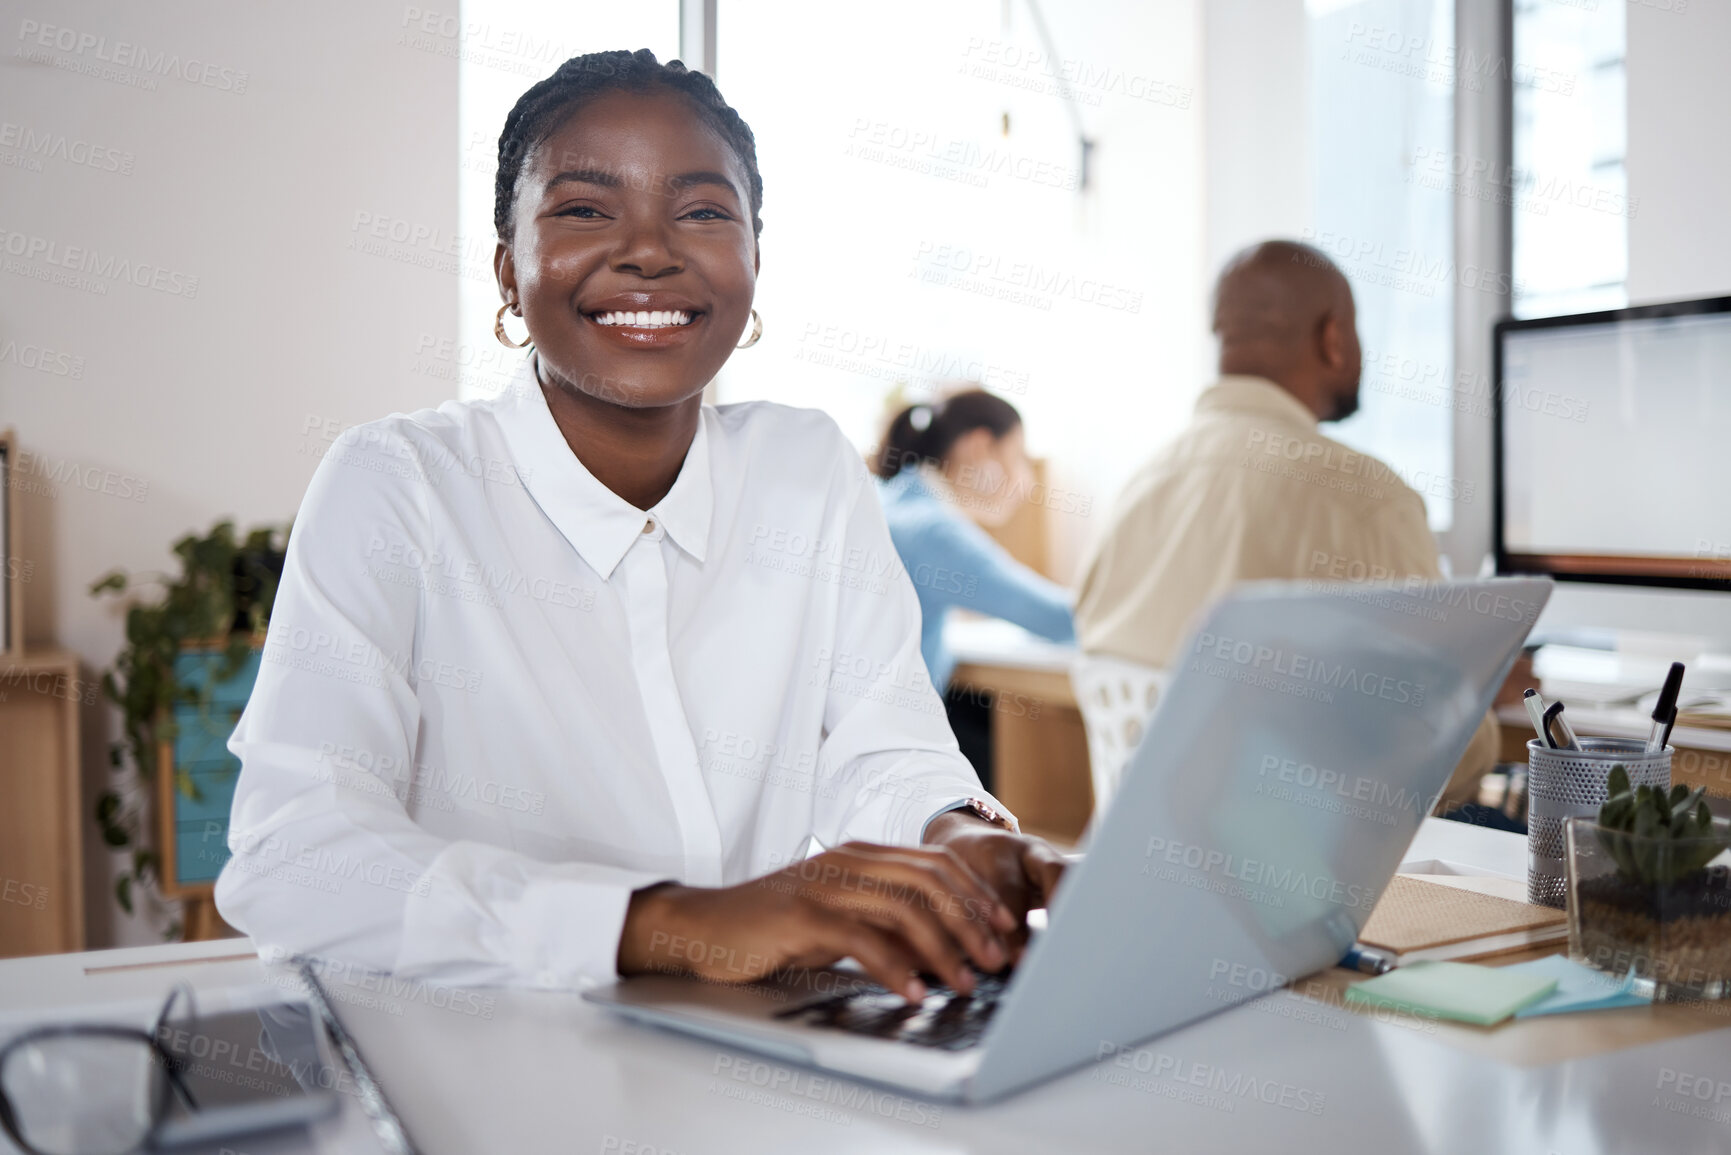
1238	393
599	524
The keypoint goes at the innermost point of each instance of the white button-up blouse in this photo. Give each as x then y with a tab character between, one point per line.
495	698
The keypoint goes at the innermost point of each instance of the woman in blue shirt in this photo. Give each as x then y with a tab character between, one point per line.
947	469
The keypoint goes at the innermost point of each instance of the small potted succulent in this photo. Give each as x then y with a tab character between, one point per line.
1645	897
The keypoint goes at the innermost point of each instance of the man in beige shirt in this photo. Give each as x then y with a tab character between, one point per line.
1252	490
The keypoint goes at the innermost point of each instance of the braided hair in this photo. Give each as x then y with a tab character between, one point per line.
539	111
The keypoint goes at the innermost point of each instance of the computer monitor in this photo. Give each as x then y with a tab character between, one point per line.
1613	445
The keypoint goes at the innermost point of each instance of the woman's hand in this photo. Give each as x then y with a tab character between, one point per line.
1022	871
900	911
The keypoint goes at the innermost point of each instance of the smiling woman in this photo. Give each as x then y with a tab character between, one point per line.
610	252
562	682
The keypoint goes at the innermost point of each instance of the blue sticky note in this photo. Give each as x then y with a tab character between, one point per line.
1579	987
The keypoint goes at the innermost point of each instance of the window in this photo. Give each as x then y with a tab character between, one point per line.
1382	78
926	217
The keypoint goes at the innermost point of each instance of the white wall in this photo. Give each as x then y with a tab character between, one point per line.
1679	166
1256	100
193	407
1142	222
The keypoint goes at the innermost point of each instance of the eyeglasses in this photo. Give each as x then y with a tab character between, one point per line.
94	1088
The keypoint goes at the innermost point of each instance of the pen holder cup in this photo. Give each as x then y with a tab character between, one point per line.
1565	784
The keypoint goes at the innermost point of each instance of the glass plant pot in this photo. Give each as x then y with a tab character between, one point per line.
1638	905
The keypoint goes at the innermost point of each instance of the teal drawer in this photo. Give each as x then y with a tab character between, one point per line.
213	788
196	668
201	849
201	753
203	737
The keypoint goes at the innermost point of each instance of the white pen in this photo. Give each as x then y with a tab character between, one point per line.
1554	716
1536	711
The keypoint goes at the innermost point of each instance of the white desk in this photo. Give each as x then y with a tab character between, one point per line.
993	641
1620	722
551	1073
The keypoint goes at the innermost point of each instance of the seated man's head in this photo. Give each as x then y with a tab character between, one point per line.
1283	311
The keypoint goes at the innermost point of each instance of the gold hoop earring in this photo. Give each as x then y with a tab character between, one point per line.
756	332
499	331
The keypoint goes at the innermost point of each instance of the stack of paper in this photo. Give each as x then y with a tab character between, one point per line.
1710	708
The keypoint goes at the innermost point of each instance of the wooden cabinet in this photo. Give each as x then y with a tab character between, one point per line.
41	849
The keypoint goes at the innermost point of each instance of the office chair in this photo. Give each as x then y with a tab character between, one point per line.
1115	697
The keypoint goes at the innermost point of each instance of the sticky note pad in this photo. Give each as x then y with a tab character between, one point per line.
1579	988
1452	990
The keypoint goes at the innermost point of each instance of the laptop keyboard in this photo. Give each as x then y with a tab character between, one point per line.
946	1020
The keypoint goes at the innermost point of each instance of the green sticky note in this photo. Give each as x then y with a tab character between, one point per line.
1453	990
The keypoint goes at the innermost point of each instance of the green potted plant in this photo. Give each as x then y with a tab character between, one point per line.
218	605
1645	897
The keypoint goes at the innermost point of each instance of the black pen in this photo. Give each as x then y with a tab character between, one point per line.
1665	708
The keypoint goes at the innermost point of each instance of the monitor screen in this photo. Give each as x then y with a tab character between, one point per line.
1613	445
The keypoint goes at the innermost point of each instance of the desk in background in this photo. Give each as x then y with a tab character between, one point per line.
1039	748
529	1071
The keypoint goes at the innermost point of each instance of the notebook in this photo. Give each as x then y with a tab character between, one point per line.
1418	921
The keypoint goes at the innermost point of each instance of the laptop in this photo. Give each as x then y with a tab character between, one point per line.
1305	734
